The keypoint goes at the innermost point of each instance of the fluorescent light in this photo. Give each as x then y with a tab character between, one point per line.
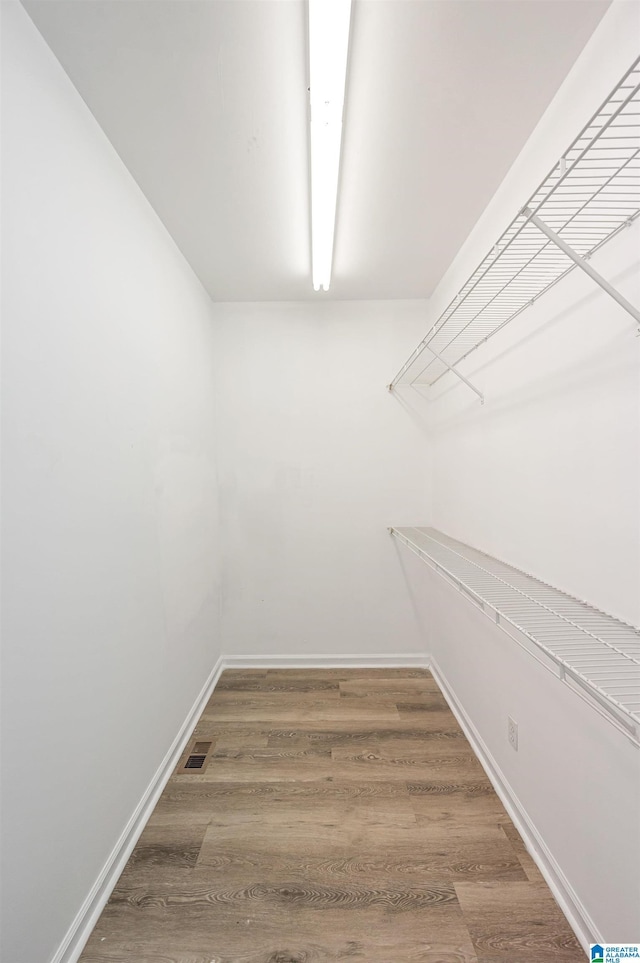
328	48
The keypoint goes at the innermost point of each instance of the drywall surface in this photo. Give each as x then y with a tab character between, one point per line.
546	475
316	459
110	559
575	776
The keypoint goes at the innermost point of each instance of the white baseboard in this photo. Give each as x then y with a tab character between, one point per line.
404	661
78	933
577	916
80	930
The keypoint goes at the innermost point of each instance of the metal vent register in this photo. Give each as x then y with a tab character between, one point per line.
197	757
597	655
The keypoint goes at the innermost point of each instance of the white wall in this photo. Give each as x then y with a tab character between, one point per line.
574	776
316	460
546	475
109	505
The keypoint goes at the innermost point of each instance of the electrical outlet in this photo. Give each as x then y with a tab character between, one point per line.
512	728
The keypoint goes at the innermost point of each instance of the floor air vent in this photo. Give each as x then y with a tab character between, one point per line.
195	762
196	758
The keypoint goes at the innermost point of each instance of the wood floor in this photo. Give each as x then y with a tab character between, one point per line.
341	816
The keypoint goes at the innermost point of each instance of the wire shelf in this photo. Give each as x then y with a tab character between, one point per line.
592	194
586	647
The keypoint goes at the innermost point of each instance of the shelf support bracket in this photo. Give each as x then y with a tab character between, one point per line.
580	261
457	373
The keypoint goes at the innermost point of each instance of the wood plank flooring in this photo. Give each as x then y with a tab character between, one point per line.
342	816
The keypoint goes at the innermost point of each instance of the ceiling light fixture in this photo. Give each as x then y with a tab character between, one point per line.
328	48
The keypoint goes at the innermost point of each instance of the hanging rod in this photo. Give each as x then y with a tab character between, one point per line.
592	194
597	655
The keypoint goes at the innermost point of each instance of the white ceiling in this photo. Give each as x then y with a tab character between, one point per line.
206	103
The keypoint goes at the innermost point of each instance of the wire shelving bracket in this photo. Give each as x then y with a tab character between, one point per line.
589	196
595	654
